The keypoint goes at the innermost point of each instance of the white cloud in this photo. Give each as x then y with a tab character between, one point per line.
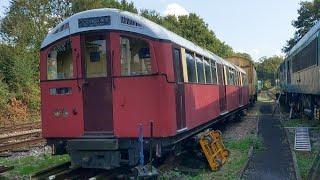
175	9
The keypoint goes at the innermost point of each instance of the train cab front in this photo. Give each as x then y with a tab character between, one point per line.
99	84
76	92
77	99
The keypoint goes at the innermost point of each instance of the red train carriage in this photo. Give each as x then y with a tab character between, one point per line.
105	72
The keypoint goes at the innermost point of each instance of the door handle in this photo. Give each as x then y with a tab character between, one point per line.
85	84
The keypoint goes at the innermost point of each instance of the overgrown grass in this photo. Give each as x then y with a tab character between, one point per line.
265	99
28	165
304	159
244	145
300	122
238	157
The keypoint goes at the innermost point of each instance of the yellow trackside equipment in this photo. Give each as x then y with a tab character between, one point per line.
213	148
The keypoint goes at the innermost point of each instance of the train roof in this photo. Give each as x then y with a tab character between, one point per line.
306	38
114	19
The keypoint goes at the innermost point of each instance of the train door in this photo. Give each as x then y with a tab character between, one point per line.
179	87
222	89
97	87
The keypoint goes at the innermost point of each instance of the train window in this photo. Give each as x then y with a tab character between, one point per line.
135	57
200	69
207	68
191	67
214	72
235	81
237	78
245	80
59	61
177	65
95	56
60	91
231	77
306	57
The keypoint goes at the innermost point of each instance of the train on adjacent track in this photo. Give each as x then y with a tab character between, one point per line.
248	66
108	77
300	73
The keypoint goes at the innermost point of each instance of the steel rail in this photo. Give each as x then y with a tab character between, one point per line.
33	133
5	169
20	127
20	144
64	171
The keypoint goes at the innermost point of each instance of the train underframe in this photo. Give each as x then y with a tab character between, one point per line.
104	152
253	98
302	104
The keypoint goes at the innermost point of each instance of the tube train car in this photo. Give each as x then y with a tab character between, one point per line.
248	66
109	77
300	73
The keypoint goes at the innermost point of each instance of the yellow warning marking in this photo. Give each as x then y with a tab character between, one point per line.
213	148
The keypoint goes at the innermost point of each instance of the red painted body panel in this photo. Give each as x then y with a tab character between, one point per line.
232	97
245	95
136	100
70	126
43	64
164	55
140	100
201	103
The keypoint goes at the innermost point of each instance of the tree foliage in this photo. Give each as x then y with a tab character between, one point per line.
309	14
82	5
267	68
193	28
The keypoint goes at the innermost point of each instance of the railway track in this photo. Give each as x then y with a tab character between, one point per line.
64	171
20	127
21	144
20	136
5	169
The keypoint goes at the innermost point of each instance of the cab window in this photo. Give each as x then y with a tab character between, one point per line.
96	56
59	61
135	57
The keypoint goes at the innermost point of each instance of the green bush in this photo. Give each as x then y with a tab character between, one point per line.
267	84
4	94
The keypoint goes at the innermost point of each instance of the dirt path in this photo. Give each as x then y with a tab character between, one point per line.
275	160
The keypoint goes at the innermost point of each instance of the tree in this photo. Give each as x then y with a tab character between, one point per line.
82	5
309	14
152	15
267	68
22	30
193	28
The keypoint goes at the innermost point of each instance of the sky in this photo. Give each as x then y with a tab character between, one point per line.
257	27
